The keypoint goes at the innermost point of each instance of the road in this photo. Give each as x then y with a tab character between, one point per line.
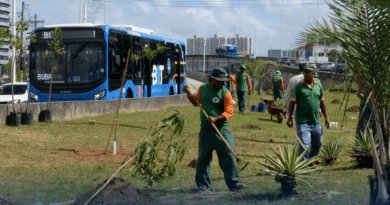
193	84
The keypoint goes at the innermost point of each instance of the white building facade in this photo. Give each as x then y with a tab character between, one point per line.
5	21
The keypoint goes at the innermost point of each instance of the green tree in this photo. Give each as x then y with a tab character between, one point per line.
332	56
17	42
259	70
362	28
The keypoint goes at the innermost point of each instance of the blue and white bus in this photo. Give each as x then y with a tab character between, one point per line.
93	62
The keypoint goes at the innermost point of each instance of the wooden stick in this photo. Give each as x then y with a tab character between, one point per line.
9	202
299	139
108	181
115	120
216	129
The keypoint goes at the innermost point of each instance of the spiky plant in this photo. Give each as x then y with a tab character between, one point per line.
279	102
331	151
361	149
288	167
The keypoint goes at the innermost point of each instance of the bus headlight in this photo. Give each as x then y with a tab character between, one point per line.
34	97
100	95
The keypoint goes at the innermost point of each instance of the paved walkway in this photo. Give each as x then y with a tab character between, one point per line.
193	84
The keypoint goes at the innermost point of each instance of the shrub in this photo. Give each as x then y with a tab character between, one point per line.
330	151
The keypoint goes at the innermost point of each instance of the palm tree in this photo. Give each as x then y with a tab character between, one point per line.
288	167
362	28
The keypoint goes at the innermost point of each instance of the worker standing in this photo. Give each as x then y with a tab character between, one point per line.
309	98
217	102
243	86
277	85
231	87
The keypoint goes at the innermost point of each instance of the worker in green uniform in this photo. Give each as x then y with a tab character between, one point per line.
216	100
277	85
316	78
242	86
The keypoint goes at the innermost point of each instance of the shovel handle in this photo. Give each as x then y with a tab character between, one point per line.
216	129
299	139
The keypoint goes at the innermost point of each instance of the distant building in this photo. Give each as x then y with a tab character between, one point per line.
277	52
196	45
5	7
315	53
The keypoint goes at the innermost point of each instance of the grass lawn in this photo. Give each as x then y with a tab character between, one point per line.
35	167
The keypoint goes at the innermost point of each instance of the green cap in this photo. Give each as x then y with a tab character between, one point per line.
242	66
219	74
277	72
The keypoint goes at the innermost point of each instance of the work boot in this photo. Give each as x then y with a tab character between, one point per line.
237	187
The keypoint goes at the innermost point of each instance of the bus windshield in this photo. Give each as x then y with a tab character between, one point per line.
79	63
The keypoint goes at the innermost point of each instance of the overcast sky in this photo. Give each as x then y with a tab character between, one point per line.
181	19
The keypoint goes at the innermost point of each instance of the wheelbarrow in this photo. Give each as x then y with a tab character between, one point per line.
276	111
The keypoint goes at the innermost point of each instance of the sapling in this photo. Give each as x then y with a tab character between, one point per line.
54	52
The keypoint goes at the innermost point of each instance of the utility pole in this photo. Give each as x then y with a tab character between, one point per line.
318	46
81	11
85	11
13	33
281	50
204	49
21	36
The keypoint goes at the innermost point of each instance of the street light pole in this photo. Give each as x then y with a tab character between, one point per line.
281	51
81	11
318	46
85	11
13	47
204	54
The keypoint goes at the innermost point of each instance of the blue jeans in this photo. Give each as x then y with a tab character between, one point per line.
310	134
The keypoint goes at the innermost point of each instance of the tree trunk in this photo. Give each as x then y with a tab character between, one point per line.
260	91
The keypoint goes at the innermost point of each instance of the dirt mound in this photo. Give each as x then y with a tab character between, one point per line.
251	127
118	191
192	164
354	108
336	102
98	155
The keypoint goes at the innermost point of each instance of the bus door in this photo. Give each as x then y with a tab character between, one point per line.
178	61
116	60
147	70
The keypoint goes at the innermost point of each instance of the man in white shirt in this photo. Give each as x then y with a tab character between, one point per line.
290	87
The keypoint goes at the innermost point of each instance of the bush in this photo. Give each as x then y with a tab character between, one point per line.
269	92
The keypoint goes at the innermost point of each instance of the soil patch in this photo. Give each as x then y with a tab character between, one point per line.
251	127
98	155
118	191
192	164
354	108
336	102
